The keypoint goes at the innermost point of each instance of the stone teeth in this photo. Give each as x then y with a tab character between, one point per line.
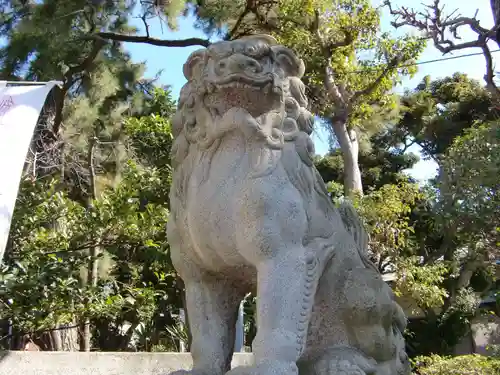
211	87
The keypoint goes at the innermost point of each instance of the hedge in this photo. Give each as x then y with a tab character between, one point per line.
472	364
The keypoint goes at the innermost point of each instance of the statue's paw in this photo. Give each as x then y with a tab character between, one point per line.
344	367
341	360
268	368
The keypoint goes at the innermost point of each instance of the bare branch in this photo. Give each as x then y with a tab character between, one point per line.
146	25
489	76
407	146
444	32
153	41
436	26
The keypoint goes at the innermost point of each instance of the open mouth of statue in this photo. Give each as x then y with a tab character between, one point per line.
263	83
237	90
253	80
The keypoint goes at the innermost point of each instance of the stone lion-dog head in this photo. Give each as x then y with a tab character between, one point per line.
250	83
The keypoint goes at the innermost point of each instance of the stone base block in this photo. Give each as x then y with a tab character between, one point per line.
99	363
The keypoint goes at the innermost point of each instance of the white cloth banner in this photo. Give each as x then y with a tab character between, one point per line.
20	107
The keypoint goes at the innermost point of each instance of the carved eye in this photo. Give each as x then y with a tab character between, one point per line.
251	50
252	64
257	50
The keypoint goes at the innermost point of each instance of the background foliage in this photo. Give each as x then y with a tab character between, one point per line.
87	265
462	365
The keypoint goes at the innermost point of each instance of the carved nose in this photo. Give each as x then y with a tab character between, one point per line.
238	63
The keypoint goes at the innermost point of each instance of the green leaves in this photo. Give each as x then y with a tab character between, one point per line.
346	37
438	111
386	212
50	239
461	365
469	187
423	283
151	137
45	280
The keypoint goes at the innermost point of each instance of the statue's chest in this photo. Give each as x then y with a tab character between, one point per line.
210	205
215	185
210	218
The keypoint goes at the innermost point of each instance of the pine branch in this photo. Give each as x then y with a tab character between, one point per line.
236	26
373	86
69	80
153	41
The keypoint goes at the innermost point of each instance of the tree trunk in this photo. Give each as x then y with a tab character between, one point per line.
93	267
495	11
85	336
346	137
348	141
65	338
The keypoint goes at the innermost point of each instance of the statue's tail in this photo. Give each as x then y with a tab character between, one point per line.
355	226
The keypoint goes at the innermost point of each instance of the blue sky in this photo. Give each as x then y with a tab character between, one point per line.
170	60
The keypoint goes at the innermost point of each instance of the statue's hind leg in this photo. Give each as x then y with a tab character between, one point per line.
355	326
339	361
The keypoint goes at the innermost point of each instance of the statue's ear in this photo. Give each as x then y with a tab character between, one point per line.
194	62
289	61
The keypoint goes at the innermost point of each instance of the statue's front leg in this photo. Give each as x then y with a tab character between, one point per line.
285	295
286	288
212	308
287	277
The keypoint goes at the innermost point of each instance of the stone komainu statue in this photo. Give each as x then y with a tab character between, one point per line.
250	212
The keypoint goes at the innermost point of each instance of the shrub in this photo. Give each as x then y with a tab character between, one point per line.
473	364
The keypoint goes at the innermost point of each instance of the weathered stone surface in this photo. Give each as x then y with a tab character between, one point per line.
80	363
249	211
